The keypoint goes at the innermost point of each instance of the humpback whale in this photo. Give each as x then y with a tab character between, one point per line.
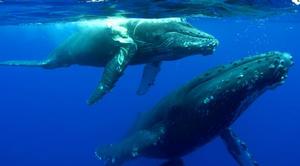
115	43
201	110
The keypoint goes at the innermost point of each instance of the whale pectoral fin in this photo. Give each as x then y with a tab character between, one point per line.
148	78
130	148
237	148
113	71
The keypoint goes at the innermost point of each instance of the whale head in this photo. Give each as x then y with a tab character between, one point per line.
184	39
261	72
228	90
175	38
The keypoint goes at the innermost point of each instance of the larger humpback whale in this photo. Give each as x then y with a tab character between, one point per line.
118	42
201	110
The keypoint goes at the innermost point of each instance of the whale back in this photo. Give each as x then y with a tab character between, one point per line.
92	46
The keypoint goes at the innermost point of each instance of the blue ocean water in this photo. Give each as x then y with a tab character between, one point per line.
44	119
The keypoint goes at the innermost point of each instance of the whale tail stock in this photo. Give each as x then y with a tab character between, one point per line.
131	147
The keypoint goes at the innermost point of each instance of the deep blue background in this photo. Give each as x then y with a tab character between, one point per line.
44	120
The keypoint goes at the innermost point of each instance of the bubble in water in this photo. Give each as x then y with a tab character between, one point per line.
113	160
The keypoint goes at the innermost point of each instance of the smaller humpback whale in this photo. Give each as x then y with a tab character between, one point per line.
115	43
201	110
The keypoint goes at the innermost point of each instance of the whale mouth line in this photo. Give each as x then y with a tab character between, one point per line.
205	41
198	40
198	35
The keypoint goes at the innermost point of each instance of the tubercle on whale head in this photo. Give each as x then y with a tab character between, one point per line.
225	92
188	40
175	37
272	67
241	81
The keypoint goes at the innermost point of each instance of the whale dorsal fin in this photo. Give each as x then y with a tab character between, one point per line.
148	78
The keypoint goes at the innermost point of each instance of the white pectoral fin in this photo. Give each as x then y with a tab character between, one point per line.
114	70
148	78
237	148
